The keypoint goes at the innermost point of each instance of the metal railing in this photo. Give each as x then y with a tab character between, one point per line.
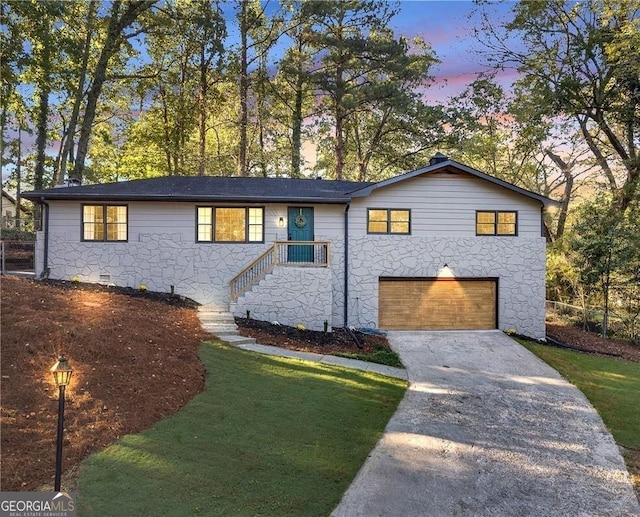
281	253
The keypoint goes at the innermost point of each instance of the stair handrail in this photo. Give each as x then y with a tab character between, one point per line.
274	256
254	272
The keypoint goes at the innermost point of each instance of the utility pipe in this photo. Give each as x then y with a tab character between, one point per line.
346	265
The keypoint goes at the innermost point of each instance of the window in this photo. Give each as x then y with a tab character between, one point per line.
496	223
227	224
388	220
104	222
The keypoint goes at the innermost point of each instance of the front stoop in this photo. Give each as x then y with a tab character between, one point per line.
219	322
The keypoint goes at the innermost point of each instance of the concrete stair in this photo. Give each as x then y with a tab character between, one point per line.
219	322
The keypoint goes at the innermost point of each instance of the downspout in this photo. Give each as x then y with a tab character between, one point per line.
45	254
346	265
346	278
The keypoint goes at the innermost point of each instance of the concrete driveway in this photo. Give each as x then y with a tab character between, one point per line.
487	429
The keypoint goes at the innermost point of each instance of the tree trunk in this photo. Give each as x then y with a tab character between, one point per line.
296	116
43	113
202	101
566	169
113	40
244	91
296	133
166	130
340	116
67	151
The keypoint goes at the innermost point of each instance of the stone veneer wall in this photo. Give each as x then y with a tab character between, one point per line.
290	295
158	260
202	272
518	263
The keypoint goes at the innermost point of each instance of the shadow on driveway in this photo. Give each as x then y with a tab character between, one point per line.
488	429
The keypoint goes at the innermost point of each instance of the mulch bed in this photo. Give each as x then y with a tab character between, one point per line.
578	339
334	342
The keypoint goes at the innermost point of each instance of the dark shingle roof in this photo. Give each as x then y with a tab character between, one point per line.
207	189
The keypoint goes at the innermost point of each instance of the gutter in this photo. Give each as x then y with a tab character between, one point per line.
45	258
97	197
346	264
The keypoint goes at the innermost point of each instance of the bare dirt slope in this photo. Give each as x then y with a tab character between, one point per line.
134	358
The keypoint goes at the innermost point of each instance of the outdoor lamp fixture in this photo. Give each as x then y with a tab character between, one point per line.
61	375
445	272
281	222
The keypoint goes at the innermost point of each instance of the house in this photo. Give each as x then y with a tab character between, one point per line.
8	211
442	247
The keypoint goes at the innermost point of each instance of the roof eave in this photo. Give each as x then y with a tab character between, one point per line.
60	196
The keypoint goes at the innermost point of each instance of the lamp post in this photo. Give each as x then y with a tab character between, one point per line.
61	375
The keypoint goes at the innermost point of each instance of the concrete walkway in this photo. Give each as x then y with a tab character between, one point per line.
367	366
487	429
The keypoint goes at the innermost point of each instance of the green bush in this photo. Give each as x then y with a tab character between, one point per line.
11	234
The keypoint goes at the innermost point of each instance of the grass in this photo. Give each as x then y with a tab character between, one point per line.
381	355
611	385
268	436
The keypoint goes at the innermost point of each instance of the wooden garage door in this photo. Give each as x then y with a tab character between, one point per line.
437	304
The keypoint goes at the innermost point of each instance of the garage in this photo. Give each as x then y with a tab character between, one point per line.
438	303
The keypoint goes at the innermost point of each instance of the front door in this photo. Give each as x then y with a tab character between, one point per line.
300	228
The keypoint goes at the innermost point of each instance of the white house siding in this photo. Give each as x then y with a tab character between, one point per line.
446	204
161	250
443	211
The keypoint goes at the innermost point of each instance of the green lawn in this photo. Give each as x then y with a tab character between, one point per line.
269	436
611	385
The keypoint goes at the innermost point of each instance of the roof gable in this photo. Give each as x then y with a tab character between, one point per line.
8	197
451	166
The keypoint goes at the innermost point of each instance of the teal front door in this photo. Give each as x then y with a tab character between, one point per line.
300	228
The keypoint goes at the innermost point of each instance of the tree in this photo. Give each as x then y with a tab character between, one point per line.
364	74
13	110
578	59
605	246
347	56
67	151
258	35
168	90
119	20
510	137
293	82
209	30
35	21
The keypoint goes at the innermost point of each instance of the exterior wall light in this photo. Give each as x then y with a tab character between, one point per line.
281	222
445	272
62	376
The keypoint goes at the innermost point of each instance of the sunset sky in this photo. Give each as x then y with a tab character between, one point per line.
447	25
